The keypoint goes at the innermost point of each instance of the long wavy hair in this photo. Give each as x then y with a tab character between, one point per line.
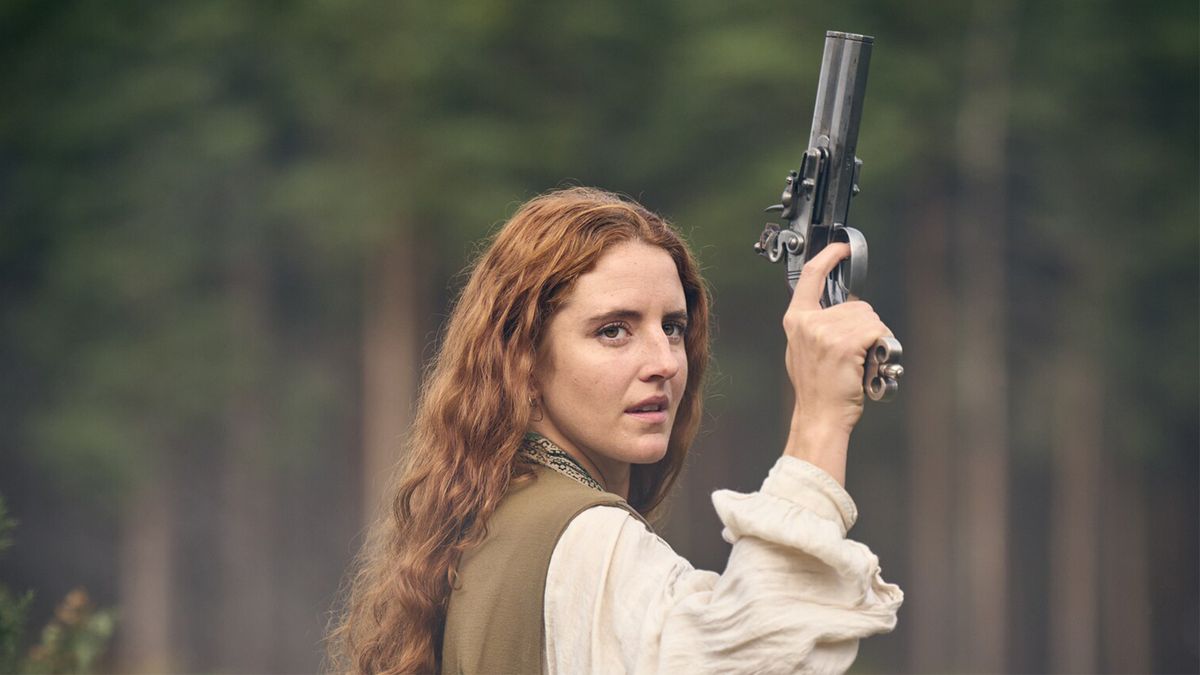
474	410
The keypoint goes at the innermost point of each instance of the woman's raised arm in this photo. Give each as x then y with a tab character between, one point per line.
826	352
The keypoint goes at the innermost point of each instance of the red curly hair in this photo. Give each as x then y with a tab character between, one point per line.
474	410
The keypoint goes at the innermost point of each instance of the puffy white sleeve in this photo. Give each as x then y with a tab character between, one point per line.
796	595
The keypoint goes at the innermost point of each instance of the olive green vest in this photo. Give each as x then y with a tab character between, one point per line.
494	623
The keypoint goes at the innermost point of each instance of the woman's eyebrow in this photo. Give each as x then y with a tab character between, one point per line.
680	315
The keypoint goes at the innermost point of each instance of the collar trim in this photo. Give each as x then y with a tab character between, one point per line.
538	449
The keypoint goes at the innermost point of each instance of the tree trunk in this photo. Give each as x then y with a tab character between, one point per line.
391	363
982	390
146	566
930	434
246	485
1126	609
1074	549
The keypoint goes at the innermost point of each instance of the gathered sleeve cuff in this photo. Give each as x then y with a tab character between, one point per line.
795	596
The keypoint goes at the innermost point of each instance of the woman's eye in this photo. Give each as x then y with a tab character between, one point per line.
612	332
674	329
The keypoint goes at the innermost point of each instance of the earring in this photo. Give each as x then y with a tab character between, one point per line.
534	405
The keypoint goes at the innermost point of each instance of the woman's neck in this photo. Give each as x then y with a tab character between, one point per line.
613	476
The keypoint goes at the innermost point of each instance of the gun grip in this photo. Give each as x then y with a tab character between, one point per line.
881	376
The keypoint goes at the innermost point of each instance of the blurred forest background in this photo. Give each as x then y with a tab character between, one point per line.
230	233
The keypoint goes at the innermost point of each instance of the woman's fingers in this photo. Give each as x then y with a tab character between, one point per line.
859	317
837	337
811	284
851	322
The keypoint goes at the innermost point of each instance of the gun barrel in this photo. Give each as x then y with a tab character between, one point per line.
843	84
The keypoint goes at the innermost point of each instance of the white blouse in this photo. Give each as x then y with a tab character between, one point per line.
796	595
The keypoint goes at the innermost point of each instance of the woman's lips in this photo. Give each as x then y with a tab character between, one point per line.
656	417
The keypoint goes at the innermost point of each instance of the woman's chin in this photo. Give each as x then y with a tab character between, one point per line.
649	448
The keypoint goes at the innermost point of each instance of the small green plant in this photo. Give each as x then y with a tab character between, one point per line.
13	608
75	639
72	642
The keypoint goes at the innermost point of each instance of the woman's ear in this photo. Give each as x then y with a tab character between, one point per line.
535	367
534	394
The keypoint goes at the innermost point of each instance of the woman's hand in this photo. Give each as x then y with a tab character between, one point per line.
826	353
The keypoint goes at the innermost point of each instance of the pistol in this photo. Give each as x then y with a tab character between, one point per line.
815	207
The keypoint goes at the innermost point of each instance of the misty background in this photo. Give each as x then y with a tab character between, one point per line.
230	234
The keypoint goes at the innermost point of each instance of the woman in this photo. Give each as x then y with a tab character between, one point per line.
552	424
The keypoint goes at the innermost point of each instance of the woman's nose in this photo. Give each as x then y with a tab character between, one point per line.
661	361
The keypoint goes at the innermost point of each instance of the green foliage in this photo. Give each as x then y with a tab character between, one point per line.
13	612
7	525
155	149
73	642
13	607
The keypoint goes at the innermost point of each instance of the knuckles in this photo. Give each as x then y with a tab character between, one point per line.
844	330
794	321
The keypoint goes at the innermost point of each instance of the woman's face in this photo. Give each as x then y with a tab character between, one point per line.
612	367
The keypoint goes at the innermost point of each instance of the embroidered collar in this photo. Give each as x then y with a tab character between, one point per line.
538	449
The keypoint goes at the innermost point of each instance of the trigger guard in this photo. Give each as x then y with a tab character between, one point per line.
848	280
